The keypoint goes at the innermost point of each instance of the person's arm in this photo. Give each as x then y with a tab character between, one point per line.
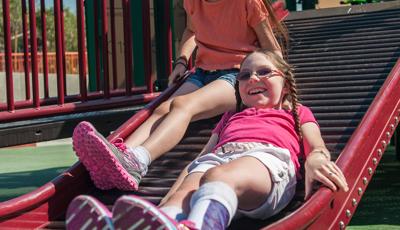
318	165
186	48
266	37
207	149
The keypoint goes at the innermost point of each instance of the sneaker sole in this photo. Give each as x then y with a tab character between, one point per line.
131	212
85	212
105	167
79	140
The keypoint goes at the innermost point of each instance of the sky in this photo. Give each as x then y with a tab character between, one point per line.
67	4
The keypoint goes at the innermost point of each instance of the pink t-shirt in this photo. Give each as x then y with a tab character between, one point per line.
224	31
269	126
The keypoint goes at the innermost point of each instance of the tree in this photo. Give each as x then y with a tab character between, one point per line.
70	27
15	24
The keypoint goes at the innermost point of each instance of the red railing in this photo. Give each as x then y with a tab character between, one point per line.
31	62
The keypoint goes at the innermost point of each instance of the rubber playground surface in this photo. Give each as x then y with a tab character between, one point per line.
27	168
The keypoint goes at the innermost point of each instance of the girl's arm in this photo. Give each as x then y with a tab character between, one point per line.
186	48
318	165
207	149
266	37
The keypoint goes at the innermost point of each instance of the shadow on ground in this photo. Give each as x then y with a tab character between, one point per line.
18	183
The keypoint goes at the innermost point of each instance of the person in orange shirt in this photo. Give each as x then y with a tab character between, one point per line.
224	32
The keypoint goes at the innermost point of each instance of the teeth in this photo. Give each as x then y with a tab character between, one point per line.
256	91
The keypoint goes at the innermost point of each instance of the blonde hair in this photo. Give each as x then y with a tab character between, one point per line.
291	97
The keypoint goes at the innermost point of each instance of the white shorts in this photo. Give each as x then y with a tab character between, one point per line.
276	159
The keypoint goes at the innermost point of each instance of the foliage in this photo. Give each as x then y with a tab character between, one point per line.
70	28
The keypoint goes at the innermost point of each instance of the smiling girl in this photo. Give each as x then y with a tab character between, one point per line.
250	162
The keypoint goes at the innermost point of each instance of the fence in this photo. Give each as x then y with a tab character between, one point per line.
99	38
18	62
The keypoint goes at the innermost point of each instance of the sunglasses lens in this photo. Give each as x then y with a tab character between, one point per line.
242	76
263	72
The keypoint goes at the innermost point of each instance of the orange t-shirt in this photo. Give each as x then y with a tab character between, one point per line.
224	31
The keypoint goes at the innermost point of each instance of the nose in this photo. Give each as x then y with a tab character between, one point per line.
254	78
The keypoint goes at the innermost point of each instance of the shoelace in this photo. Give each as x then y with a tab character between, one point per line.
120	144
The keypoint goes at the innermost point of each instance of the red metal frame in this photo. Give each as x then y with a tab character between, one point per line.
8	51
36	106
34	63
82	48
358	161
26	54
44	52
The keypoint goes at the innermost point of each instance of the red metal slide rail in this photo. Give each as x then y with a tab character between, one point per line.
358	160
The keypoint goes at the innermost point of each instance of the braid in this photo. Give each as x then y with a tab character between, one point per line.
294	100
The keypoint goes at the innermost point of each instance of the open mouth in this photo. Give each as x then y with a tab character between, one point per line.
256	91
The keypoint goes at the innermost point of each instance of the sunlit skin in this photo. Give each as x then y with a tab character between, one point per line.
261	92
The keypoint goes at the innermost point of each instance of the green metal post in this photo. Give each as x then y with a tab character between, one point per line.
309	4
291	5
163	41
90	37
138	43
171	10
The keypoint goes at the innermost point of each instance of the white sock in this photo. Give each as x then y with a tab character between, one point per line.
142	154
174	212
215	198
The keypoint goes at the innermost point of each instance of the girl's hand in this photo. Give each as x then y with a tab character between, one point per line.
177	73
319	168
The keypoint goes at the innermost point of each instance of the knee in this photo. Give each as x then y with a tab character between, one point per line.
162	109
181	103
215	174
228	176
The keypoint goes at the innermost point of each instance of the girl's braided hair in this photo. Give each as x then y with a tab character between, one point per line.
290	98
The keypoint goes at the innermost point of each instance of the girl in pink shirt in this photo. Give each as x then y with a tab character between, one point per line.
249	165
223	31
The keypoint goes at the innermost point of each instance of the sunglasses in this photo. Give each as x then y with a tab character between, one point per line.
261	73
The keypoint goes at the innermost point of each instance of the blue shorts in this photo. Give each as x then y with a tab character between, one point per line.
203	77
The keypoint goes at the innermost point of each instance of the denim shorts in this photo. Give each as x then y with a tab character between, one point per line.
278	162
203	77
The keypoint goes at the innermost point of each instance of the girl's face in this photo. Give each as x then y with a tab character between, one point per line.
264	88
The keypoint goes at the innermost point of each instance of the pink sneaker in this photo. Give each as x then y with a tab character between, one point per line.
85	212
133	212
109	164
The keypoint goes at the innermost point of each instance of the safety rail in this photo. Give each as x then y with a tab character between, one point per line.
98	81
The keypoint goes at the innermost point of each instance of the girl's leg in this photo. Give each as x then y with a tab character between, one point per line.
181	198
145	129
129	211
211	100
245	182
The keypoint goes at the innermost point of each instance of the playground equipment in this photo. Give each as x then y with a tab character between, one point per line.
348	71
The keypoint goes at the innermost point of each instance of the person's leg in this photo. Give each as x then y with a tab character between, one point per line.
211	100
131	210
244	183
145	129
181	198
